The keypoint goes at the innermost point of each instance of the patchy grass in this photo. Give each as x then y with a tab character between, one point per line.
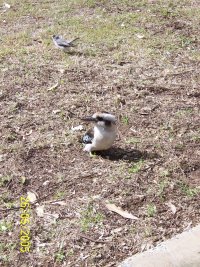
151	210
5	226
60	256
136	59
125	120
136	167
90	218
162	185
188	190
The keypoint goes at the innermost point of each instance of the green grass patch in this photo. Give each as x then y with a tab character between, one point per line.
188	190
151	210
136	167
90	217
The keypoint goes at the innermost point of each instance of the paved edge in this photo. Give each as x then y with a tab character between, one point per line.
183	250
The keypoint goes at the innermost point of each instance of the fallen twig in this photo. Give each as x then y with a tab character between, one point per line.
91	239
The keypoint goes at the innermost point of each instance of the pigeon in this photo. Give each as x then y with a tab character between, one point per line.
62	43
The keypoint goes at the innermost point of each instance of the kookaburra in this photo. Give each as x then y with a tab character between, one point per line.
104	133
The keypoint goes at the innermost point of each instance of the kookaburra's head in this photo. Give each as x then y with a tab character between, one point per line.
104	132
103	119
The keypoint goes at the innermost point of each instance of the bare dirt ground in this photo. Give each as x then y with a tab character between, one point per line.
139	60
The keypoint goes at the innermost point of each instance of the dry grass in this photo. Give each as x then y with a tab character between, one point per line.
136	59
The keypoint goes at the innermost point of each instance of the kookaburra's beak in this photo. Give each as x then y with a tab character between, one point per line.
89	118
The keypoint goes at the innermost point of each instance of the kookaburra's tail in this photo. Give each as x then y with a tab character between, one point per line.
88	137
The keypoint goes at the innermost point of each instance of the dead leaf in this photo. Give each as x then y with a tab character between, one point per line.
139	36
116	230
53	87
52	216
1	158
23	179
29	133
32	197
120	211
172	207
40	211
77	128
62	71
46	182
61	203
6	6
56	111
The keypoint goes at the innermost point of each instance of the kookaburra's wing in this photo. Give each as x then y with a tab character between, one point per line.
88	137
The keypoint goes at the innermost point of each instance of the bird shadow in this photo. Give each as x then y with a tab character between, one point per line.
77	53
130	155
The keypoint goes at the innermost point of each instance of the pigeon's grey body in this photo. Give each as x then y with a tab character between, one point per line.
104	132
62	43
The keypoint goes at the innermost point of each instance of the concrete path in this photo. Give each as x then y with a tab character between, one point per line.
181	251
